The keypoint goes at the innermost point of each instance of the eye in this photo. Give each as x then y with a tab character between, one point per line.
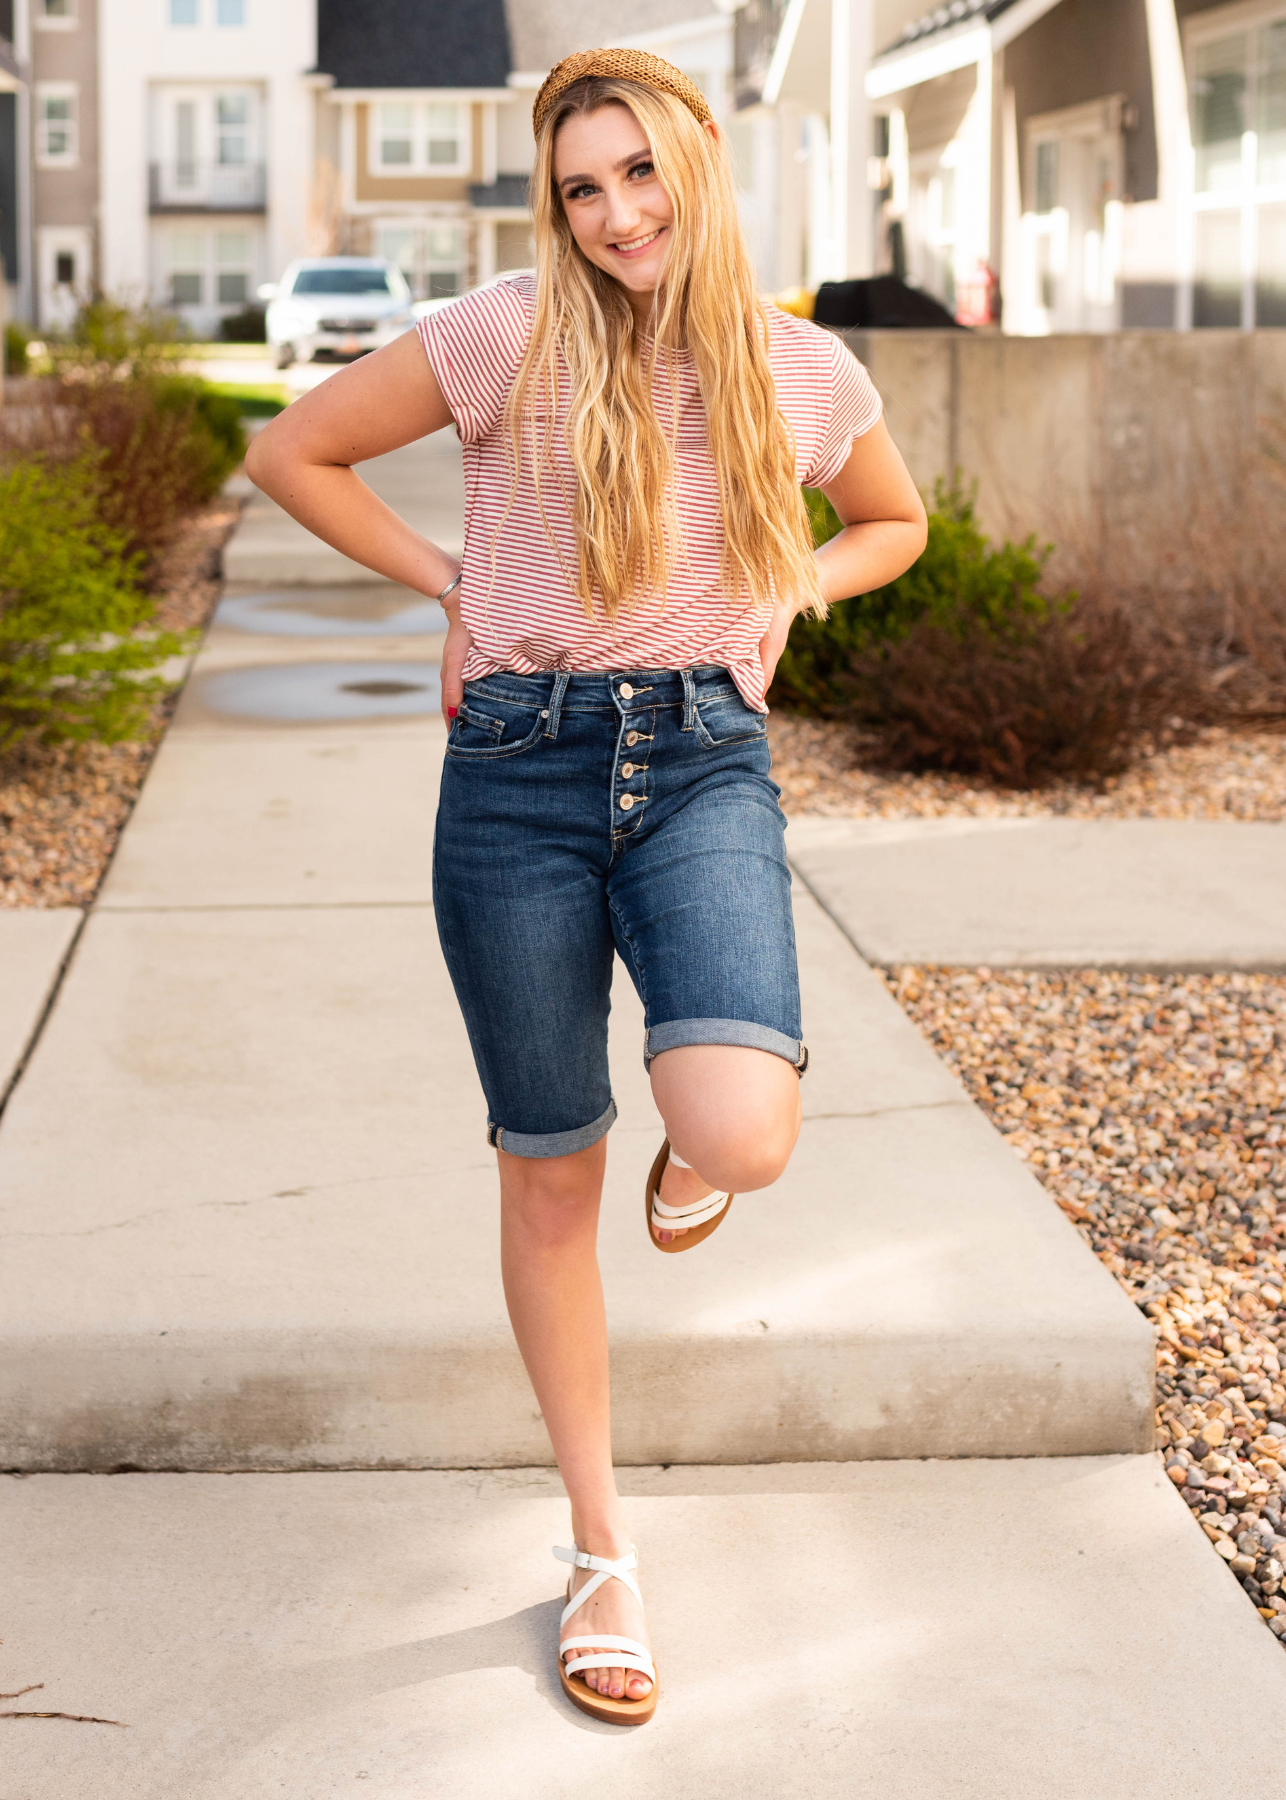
644	168
580	192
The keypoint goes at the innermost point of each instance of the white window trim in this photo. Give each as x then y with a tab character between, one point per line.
58	90
419	168
41	21
209	266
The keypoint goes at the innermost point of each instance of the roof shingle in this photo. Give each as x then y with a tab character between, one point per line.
413	43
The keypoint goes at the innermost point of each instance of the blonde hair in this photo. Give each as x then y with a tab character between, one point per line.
623	456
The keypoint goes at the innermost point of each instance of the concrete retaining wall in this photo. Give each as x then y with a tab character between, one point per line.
1147	458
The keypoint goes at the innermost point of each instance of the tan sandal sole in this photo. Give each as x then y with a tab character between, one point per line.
603	1706
698	1233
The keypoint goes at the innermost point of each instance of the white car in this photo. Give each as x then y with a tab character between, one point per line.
337	306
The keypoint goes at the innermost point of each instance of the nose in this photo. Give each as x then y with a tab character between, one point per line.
623	218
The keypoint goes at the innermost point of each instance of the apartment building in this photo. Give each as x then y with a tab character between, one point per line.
207	154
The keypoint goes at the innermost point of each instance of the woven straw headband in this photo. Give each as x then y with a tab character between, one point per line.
618	65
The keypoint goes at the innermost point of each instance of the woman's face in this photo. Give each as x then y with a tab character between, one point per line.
619	213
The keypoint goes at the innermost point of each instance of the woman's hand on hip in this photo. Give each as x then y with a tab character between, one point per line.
773	642
454	655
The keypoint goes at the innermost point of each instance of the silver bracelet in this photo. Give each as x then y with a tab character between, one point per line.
451	586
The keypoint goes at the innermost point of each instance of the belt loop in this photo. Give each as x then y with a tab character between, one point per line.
689	699
556	703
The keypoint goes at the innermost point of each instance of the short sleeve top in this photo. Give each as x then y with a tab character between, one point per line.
518	594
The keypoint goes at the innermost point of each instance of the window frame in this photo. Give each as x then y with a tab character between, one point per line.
419	167
56	90
43	21
231	24
192	24
210	265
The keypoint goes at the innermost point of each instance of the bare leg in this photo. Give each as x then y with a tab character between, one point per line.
549	1229
732	1114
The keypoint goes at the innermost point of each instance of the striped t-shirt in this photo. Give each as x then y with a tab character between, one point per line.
518	595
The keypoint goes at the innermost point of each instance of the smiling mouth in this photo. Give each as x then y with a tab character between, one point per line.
637	245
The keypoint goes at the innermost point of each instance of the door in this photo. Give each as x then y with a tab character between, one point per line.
1072	221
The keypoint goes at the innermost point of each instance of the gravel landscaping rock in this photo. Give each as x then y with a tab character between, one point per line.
831	769
1153	1108
62	808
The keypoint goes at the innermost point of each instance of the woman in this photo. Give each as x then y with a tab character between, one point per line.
636	426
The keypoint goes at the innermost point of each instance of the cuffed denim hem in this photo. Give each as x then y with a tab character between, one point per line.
551	1143
674	1034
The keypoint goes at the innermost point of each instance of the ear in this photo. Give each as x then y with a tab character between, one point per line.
714	131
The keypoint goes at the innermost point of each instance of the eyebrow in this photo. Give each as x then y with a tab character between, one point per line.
633	157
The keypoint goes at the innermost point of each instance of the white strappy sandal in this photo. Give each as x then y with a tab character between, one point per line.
696	1221
626	1653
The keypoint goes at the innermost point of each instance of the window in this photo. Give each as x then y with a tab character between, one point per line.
350	282
397	145
232	267
187	268
430	254
230	12
1239	141
56	108
65	268
210	267
55	15
425	139
232	129
184	12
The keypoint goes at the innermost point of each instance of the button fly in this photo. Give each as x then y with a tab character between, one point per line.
627	769
627	692
631	738
627	801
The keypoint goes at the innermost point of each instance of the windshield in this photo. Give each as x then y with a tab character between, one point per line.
342	281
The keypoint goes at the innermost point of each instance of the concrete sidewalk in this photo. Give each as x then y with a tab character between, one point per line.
33	947
1062	893
271	1240
1004	1630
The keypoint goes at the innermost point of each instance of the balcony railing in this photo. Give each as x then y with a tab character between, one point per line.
183	186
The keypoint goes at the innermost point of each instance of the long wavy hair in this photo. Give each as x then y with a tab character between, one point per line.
622	453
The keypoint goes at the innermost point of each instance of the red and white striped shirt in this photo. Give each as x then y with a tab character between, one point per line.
518	597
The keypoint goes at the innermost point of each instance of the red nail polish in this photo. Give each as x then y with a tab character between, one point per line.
452	711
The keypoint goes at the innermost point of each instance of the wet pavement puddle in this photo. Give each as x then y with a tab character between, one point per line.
321	692
332	612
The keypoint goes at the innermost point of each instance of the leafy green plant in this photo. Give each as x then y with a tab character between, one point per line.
959	584
16	339
77	641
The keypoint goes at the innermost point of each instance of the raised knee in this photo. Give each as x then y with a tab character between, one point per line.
742	1166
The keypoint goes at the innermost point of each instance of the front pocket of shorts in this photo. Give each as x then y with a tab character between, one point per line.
485	727
724	718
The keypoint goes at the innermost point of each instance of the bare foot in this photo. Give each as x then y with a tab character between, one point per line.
680	1187
612	1609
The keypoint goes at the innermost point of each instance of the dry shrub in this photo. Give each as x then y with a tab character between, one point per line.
1072	696
111	388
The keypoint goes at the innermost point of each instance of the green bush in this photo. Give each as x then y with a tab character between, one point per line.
76	635
16	339
249	326
959	584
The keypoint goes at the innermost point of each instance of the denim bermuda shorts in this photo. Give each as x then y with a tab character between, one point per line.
583	815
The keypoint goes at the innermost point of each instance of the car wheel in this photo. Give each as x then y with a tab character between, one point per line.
285	355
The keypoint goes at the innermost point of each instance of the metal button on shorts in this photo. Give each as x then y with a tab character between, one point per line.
627	801
626	691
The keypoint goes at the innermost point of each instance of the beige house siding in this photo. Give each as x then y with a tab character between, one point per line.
69	196
378	190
